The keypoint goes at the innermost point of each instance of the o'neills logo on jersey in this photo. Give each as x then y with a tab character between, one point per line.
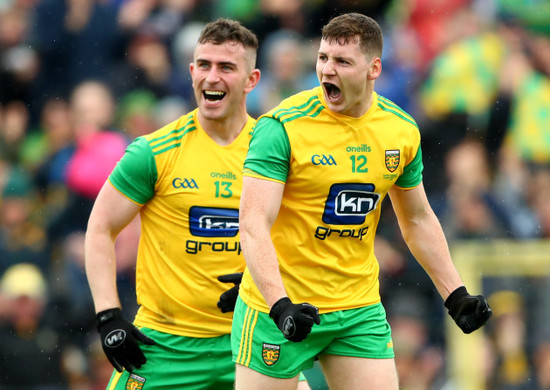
227	175
270	353
392	159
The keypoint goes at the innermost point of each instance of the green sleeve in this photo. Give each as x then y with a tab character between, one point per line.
412	174
269	151
135	174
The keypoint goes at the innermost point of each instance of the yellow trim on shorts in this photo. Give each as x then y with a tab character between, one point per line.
245	347
115	380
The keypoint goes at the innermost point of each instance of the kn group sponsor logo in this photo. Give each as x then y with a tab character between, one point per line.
213	222
349	203
322	159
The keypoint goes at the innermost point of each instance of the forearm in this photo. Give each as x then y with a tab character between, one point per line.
426	241
101	269
263	265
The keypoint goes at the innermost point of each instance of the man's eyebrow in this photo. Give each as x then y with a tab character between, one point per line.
225	63
221	63
349	59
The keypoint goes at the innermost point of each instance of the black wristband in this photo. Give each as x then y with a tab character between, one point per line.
455	295
108	315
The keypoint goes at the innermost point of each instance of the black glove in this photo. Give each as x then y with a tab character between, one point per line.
294	320
229	298
119	340
468	311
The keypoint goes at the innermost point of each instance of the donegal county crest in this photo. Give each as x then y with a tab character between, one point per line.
270	353
392	159
135	382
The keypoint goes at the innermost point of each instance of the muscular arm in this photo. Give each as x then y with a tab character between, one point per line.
260	203
110	214
425	238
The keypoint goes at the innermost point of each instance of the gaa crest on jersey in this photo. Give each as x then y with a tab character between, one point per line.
392	159
135	382
185	183
270	353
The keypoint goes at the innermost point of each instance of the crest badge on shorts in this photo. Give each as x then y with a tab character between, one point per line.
392	159
135	382
270	353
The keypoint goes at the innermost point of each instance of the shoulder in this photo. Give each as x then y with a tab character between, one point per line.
170	136
394	114
303	104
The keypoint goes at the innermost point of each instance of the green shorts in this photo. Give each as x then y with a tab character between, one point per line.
177	362
257	343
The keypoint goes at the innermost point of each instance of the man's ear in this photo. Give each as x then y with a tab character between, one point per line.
253	79
375	68
191	69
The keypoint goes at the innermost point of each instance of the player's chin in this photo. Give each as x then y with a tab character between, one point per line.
212	113
337	106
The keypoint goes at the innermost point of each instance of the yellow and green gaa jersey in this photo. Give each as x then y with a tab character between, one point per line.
337	170
190	189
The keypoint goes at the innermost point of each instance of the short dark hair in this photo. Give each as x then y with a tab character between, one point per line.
224	30
351	26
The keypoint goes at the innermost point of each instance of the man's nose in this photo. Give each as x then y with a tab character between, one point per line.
328	68
213	75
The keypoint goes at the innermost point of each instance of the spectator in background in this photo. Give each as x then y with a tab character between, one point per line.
97	150
418	360
22	237
75	41
31	352
135	113
470	210
14	124
509	330
182	50
285	71
148	66
434	24
19	63
51	134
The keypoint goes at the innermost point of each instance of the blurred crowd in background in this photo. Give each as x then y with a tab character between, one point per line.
80	79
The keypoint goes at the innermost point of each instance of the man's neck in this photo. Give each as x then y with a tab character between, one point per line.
223	131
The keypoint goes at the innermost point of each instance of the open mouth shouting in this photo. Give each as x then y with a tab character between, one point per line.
213	96
332	92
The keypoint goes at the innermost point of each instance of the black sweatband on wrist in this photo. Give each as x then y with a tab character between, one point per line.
107	315
456	294
275	307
